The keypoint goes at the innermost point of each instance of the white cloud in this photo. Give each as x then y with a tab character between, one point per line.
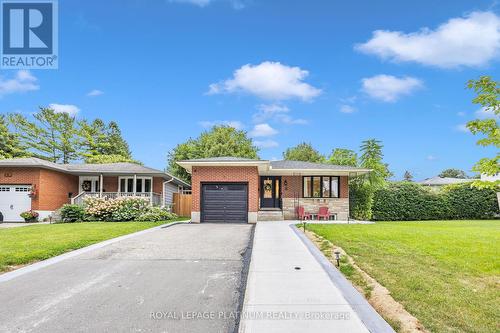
261	130
232	123
276	112
23	81
344	108
266	144
462	128
72	110
482	113
473	40
389	88
431	158
95	92
268	80
461	114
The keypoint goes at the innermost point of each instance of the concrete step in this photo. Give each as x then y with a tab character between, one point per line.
270	215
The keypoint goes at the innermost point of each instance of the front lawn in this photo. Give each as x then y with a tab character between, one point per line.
445	273
25	245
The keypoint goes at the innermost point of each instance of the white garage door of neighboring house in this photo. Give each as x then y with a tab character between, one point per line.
14	200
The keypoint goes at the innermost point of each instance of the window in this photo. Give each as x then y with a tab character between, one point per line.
320	187
316	187
142	185
307	187
335	187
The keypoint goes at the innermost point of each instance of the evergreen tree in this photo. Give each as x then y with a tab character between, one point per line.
10	147
408	177
52	136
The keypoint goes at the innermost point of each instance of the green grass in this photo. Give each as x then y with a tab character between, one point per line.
25	245
445	273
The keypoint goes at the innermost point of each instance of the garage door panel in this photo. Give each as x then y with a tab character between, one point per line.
14	200
224	202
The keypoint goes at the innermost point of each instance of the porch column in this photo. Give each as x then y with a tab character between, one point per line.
100	185
151	191
135	184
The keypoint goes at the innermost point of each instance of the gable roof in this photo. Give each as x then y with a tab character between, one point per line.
86	168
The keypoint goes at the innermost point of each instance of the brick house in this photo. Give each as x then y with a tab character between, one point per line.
228	189
42	186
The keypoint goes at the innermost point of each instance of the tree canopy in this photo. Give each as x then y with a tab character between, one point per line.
303	152
217	142
60	138
487	96
453	173
341	156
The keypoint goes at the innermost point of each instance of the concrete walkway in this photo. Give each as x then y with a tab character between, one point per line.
281	298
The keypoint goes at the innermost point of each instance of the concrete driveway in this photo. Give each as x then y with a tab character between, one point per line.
185	278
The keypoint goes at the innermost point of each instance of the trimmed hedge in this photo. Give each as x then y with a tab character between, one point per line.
360	200
406	201
467	202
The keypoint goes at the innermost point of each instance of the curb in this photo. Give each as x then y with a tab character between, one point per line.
51	261
366	313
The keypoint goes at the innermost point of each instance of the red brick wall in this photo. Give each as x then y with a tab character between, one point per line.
52	186
158	185
226	174
54	189
294	186
110	183
22	176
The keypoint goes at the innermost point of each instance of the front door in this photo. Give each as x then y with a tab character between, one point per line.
270	192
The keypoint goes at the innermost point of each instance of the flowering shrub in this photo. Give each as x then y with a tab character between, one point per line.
119	209
155	214
29	215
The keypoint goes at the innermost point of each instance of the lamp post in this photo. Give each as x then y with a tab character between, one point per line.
337	256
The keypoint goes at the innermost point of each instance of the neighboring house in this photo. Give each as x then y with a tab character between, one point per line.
42	186
437	182
487	178
228	189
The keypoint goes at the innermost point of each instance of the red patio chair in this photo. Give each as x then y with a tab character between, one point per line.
323	212
302	214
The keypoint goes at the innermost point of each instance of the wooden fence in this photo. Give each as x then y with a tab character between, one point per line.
182	204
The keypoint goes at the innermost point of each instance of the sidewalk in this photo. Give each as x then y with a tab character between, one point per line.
276	288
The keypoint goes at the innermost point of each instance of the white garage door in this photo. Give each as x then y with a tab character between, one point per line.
14	200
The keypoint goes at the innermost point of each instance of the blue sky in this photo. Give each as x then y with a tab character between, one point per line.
285	71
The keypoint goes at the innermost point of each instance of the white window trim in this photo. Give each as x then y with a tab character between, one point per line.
143	183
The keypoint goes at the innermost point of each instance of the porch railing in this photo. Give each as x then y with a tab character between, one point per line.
154	198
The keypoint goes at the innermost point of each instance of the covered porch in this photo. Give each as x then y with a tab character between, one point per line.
148	187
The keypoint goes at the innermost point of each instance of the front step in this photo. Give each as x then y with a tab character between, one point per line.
270	215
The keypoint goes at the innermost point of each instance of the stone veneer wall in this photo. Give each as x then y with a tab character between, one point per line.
339	206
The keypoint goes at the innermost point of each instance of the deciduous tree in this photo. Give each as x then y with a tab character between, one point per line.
303	152
487	96
217	142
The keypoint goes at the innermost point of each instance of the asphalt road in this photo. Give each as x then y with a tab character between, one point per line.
186	278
